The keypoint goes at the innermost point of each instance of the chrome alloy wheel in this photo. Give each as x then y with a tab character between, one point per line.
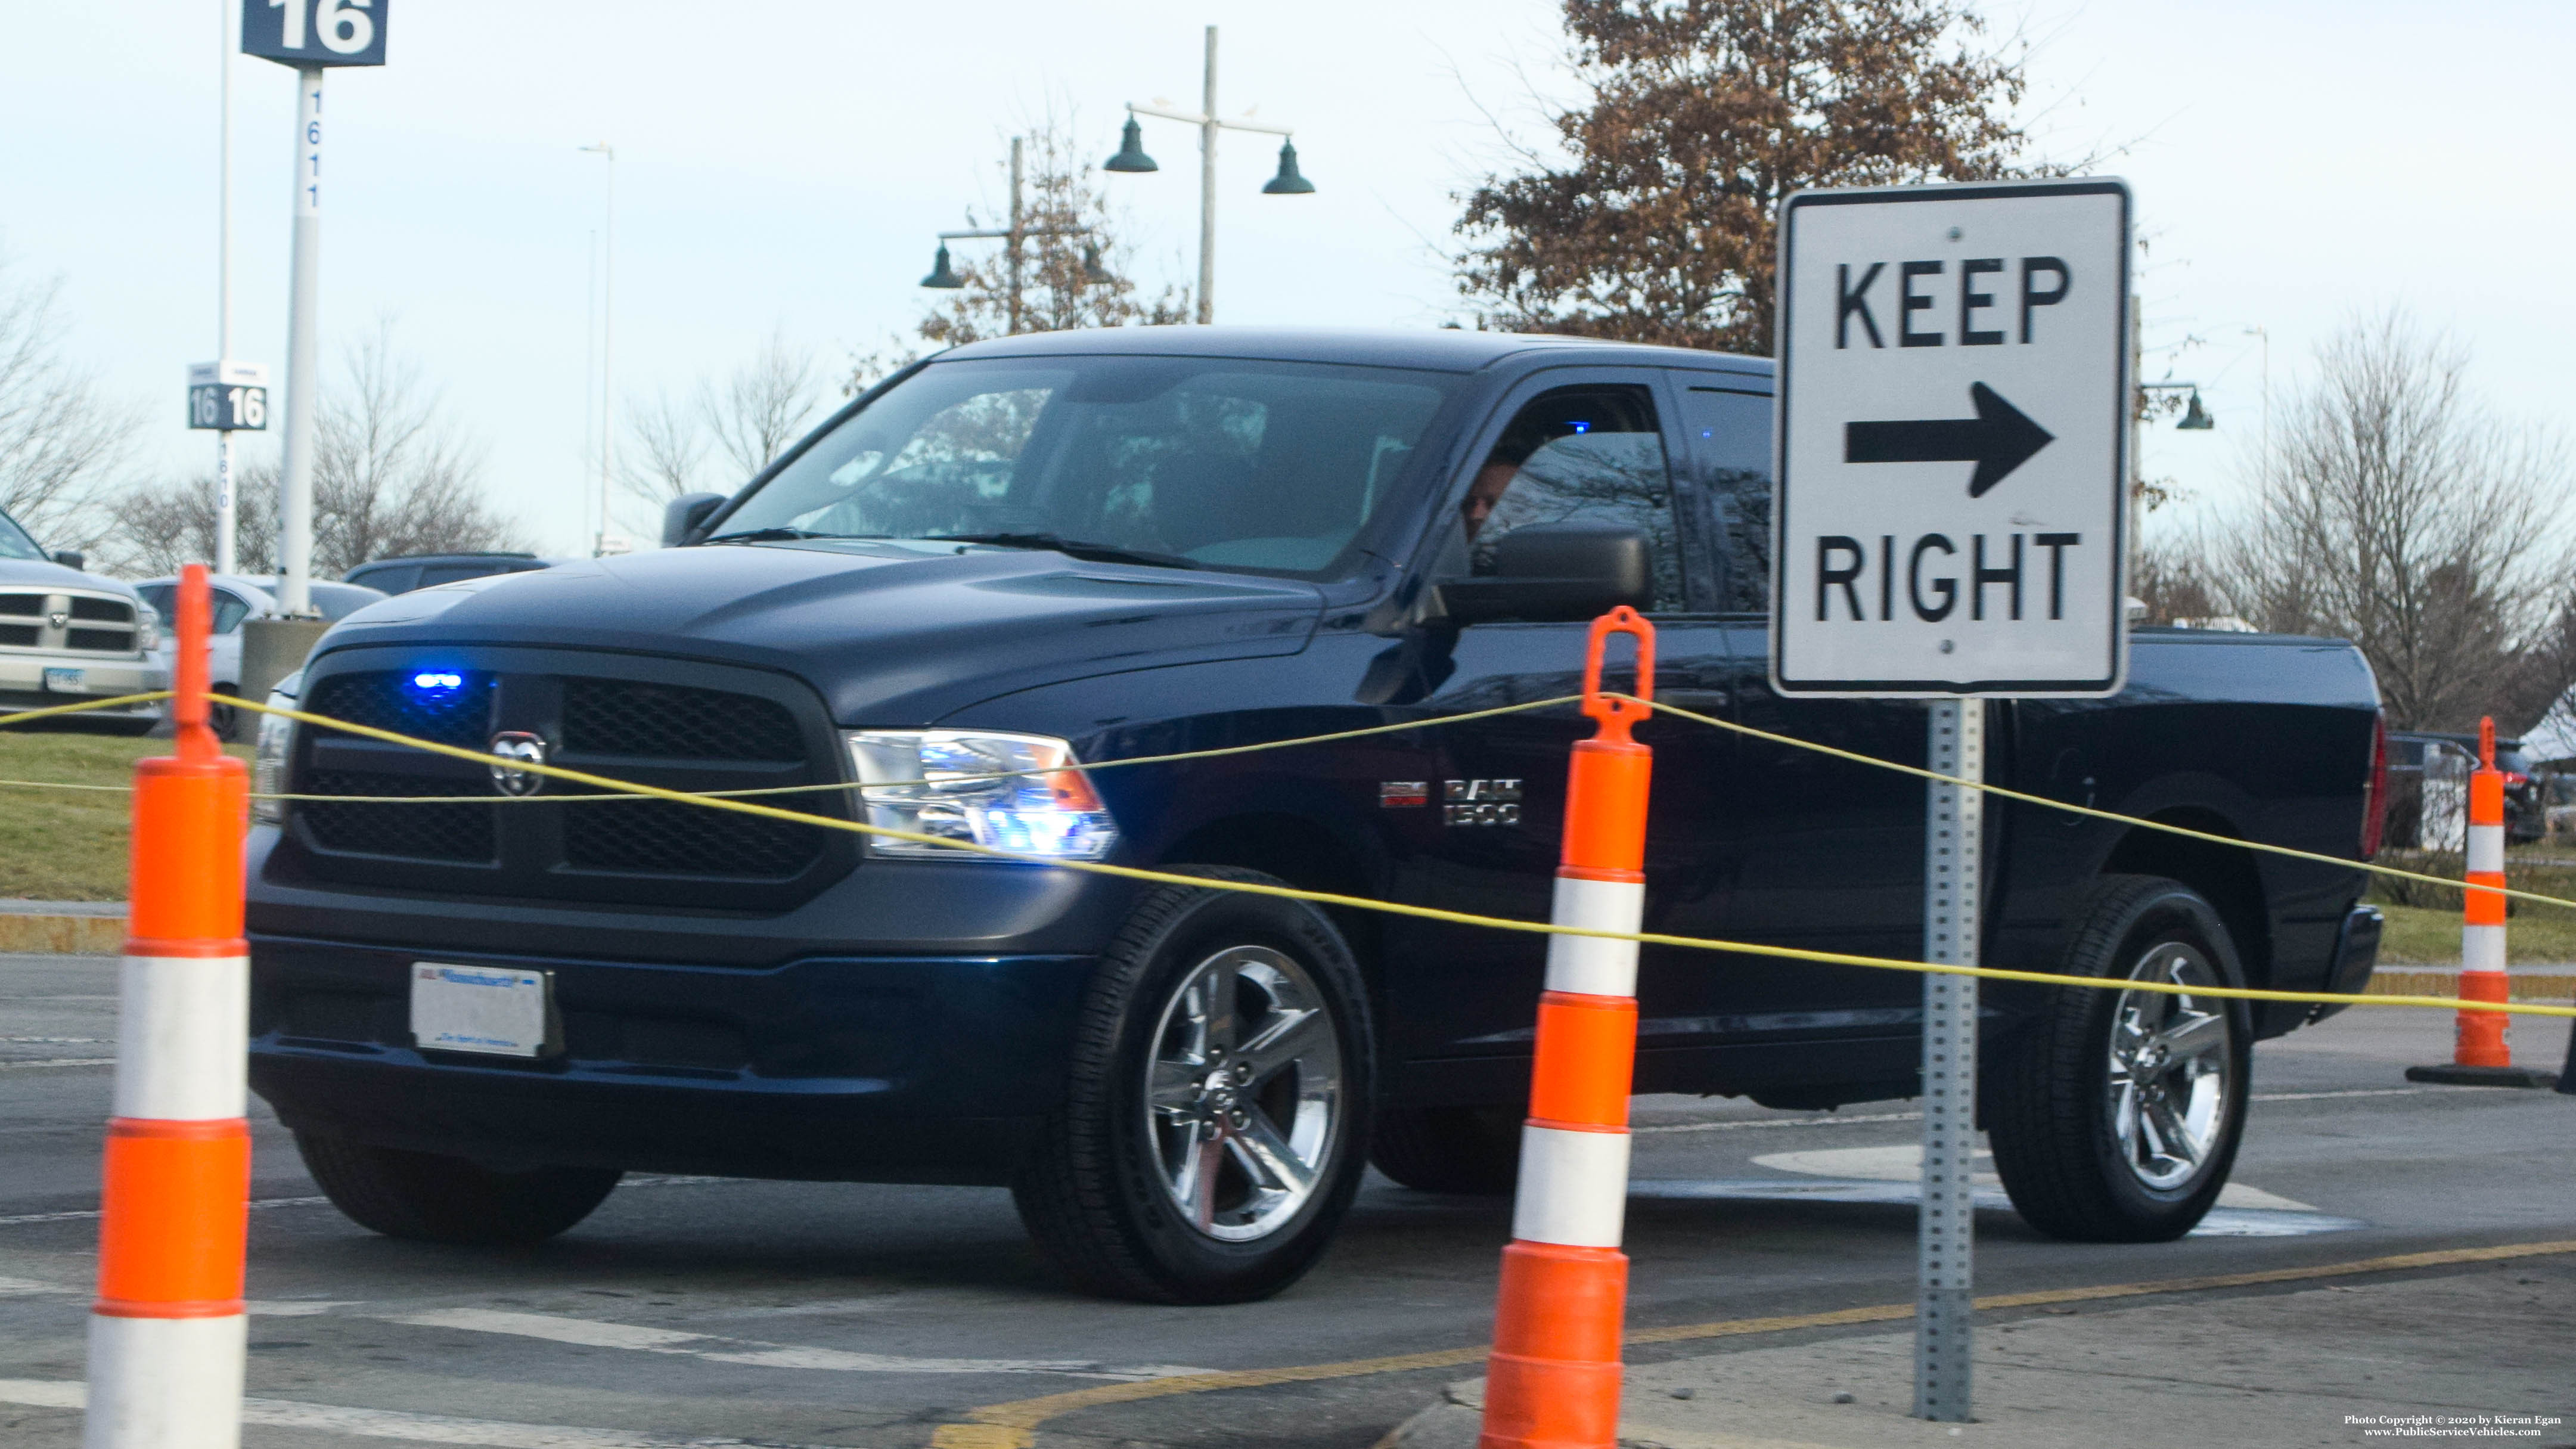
1243	1094
2173	1075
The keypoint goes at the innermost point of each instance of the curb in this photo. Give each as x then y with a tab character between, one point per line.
2524	983
62	928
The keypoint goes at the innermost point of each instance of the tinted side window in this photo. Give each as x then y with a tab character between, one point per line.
230	610
432	575
164	599
1588	453
1729	431
397	579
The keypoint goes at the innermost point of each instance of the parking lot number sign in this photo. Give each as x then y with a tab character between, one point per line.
315	32
1952	434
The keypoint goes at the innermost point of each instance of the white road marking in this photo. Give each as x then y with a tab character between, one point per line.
2325	1096
56	1040
388	1423
58	1062
297	1307
1779	1122
1904	1163
594	1334
25	1288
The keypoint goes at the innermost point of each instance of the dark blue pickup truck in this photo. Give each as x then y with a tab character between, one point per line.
1026	556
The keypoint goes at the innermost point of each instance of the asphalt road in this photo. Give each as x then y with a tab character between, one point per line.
702	1310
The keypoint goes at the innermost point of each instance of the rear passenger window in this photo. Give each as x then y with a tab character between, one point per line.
432	575
1728	431
230	610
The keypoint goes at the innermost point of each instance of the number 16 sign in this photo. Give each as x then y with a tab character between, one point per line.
315	32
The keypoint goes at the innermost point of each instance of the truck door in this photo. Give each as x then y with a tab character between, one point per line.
1820	853
1570	444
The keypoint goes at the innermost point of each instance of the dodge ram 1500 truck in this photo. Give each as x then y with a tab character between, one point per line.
1028	556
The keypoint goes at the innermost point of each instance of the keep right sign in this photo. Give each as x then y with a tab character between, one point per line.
1952	433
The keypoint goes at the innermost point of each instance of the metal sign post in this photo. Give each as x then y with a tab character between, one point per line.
1951	525
311	36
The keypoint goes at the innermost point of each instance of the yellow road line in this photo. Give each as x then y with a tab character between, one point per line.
1013	1425
1429	913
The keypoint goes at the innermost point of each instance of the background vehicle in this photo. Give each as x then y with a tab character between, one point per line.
67	635
237	597
429	570
2526	810
1080	547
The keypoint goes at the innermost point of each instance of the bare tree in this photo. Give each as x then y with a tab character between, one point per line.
762	407
391	476
2397	512
746	419
60	434
666	445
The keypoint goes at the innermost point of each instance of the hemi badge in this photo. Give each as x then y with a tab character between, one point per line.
1403	794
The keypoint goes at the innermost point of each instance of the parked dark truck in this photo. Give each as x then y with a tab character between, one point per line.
1030	555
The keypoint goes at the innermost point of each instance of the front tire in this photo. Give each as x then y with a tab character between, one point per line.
2116	1115
430	1198
1215	1115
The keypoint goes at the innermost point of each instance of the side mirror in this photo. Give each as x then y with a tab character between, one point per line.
72	558
1556	572
682	515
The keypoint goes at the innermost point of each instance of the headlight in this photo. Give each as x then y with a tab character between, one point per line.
1024	793
147	628
276	744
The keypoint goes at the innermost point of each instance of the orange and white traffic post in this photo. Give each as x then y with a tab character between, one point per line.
1552	1381
166	1332
2482	1055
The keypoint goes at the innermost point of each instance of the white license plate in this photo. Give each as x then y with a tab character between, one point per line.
64	679
487	1009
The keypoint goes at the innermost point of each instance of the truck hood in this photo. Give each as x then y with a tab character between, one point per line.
26	573
888	634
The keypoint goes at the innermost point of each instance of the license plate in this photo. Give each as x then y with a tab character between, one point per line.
63	679
487	1009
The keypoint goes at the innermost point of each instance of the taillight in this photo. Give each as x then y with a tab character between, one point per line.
2515	779
2374	798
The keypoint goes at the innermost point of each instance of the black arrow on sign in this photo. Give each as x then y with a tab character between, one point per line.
1998	440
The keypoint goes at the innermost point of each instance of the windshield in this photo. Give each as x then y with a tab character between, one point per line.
14	542
1214	462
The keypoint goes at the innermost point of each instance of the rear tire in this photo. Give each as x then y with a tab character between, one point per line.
2115	1115
1467	1150
1215	1113
430	1198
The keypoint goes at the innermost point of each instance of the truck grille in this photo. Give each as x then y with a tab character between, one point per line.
417	832
623	717
387	700
82	631
764	734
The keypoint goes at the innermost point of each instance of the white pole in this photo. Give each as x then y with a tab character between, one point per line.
1207	187
226	508
607	349
295	481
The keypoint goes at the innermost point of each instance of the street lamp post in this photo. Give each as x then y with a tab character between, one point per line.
607	356
944	277
1131	158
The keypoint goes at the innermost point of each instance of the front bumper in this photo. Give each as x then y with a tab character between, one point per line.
22	681
909	1023
899	1069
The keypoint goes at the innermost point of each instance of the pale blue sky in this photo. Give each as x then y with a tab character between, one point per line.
785	166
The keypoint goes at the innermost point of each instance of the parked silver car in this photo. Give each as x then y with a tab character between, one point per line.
237	597
66	635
